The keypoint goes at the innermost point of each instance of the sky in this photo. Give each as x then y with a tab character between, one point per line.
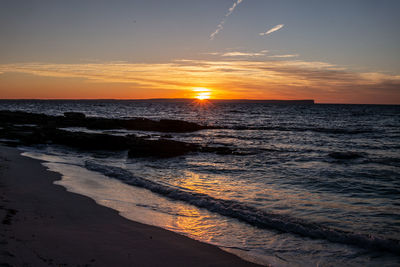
331	51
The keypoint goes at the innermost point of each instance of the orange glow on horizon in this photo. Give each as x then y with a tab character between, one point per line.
282	80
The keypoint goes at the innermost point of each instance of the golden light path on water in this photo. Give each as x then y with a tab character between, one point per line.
138	204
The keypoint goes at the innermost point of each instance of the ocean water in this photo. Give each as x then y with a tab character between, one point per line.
281	200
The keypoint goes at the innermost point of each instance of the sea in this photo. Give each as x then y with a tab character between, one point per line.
308	185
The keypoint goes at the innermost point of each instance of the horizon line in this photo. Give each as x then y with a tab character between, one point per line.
186	99
161	98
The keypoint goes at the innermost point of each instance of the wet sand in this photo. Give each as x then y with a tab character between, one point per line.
42	224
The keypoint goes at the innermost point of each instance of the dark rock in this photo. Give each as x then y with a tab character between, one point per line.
46	131
88	140
161	148
178	126
217	150
74	115
19	117
76	119
345	155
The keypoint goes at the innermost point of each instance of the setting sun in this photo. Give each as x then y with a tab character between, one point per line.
202	93
203	96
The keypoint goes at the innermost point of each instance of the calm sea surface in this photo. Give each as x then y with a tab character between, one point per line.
282	199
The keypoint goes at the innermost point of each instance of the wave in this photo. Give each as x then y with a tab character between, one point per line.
389	161
249	214
301	129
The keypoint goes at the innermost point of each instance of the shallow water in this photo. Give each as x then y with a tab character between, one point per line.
282	200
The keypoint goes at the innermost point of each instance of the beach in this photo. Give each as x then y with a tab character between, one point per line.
43	224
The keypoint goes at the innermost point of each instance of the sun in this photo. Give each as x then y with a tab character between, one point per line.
201	93
203	96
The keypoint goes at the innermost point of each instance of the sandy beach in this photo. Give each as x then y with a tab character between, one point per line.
43	224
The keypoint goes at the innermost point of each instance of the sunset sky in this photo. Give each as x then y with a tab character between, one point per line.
330	51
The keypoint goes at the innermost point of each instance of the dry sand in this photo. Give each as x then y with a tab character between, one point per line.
42	224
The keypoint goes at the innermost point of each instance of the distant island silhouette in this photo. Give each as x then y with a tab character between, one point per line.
269	101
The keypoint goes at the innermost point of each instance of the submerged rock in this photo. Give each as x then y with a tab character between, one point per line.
161	148
74	115
345	155
218	150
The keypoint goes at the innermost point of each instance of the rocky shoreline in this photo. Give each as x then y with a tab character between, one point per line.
24	128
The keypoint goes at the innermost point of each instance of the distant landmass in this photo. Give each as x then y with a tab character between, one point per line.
303	101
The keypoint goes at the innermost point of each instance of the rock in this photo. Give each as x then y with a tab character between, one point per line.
46	131
91	141
161	148
178	126
76	119
217	150
74	115
345	155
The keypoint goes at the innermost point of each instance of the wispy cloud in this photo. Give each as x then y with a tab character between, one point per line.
242	54
239	53
273	29
285	56
221	24
258	79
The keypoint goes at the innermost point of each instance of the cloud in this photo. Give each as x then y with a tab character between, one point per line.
285	56
238	53
273	29
220	26
258	79
241	54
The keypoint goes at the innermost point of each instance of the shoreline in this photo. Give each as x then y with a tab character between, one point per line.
44	224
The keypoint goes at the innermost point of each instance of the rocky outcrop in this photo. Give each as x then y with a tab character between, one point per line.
30	129
76	119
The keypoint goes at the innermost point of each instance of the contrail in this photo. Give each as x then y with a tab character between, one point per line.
273	29
233	7
221	24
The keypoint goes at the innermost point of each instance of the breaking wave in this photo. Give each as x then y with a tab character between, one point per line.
305	129
249	214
